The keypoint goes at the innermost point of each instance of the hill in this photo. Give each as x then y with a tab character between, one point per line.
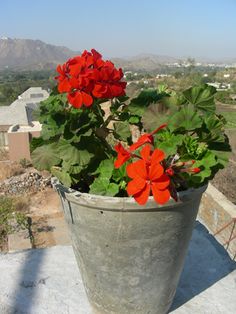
31	54
143	62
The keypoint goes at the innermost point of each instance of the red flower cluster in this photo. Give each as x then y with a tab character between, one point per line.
147	176
87	76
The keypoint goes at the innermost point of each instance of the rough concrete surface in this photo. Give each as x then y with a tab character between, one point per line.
47	281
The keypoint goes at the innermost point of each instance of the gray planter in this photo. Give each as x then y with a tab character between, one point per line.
130	257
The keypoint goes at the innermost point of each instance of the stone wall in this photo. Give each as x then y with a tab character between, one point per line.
218	214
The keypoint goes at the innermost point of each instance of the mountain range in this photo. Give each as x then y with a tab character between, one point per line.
31	54
28	54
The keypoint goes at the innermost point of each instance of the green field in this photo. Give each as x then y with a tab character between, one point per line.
231	119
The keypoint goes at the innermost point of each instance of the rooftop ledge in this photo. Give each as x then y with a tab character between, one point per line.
34	127
47	280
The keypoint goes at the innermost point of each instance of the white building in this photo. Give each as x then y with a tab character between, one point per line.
20	112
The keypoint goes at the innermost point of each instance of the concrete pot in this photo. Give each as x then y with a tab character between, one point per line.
130	257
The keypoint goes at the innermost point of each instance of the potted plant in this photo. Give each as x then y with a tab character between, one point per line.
130	203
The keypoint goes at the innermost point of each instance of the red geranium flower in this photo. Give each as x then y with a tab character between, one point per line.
146	138
63	78
147	176
87	76
108	84
123	155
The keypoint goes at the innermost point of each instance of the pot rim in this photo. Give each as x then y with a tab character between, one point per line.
122	203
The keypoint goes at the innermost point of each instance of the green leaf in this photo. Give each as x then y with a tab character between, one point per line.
214	128
36	142
222	157
44	157
119	174
105	168
169	143
62	176
202	97
174	101
112	189
152	118
52	126
102	186
187	118
134	119
206	163
72	154
72	169
139	104
122	130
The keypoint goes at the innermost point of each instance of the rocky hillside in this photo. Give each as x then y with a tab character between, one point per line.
31	54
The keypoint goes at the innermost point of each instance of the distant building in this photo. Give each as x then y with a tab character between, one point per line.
18	118
220	86
162	75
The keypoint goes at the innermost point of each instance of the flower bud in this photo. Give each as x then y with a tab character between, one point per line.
170	172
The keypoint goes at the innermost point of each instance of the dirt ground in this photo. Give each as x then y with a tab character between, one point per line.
225	181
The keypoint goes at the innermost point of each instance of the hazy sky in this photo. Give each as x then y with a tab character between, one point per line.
205	28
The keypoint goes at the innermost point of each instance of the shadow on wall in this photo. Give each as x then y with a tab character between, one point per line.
206	263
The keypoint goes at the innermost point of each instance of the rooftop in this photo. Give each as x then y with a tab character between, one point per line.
21	110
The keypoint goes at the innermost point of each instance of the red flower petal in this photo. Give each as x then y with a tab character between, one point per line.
64	86
158	129
162	182
142	196
146	153
75	99
96	54
87	99
60	69
157	156
145	138
100	90
75	83
137	169
160	196
116	90
155	171
123	155
135	186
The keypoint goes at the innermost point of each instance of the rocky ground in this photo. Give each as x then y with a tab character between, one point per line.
33	193
29	182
